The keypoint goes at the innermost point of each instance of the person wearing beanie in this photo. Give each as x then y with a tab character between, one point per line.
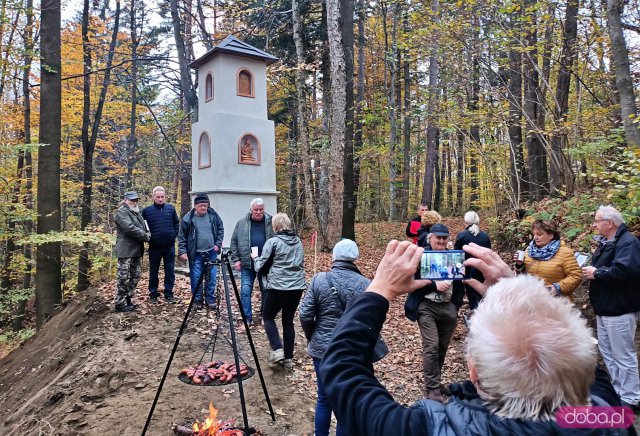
130	239
472	233
200	240
320	311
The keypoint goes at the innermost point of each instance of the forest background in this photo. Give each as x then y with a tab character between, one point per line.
517	109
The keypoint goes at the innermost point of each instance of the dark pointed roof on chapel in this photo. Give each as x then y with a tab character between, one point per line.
233	46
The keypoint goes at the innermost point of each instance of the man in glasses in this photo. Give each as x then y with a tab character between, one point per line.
613	291
131	236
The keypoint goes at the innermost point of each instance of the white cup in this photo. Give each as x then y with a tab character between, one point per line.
254	251
520	255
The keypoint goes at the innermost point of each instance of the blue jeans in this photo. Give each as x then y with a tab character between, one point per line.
247	278
168	256
323	409
195	272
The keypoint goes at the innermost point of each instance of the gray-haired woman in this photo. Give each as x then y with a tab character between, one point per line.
472	233
282	265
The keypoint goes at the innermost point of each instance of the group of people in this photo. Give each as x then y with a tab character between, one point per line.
529	351
262	247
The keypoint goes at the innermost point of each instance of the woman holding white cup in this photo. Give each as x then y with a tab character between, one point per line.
548	258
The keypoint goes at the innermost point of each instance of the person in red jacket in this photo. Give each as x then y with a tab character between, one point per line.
414	224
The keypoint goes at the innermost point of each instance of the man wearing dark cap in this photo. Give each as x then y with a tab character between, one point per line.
435	307
131	236
199	240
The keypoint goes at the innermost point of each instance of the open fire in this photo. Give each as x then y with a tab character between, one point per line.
212	427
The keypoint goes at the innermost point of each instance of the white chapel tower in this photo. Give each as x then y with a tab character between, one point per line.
233	142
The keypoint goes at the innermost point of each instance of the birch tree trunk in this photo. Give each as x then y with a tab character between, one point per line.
392	68
338	117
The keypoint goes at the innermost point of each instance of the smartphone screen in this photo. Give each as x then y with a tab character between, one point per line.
441	265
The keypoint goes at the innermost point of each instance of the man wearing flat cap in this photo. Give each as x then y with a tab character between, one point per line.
131	236
435	308
200	240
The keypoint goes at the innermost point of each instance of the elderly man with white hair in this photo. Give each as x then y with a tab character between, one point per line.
615	297
528	354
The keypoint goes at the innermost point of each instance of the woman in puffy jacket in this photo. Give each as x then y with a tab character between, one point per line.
282	267
472	233
549	259
320	311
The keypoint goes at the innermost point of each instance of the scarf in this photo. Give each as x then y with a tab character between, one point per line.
546	252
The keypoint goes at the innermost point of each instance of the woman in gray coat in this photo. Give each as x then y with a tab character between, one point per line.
282	267
320	311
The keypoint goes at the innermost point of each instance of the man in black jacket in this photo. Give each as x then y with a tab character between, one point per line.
528	354
615	297
163	222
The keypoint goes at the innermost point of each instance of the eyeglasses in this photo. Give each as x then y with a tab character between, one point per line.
599	221
135	200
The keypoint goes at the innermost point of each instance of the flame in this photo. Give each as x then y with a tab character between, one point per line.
212	427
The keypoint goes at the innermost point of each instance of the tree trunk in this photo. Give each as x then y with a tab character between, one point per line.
338	118
514	96
359	106
536	157
432	127
89	143
474	129
302	120
348	202
560	171
460	172
624	82
48	266
406	151
392	68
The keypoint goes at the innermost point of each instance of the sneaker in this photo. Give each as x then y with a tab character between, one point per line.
287	364
197	305
276	356
171	299
126	308
153	300
211	306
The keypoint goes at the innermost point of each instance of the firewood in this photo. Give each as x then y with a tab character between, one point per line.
182	430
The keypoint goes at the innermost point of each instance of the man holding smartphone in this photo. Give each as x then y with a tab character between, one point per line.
435	307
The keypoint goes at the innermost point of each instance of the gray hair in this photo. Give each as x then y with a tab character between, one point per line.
471	218
158	188
280	222
611	213
532	352
256	202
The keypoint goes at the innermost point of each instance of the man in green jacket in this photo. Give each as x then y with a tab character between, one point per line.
250	233
132	233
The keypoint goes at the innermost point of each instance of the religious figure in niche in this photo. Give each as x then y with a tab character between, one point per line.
248	150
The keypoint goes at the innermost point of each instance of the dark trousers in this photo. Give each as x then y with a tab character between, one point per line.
287	301
473	297
168	256
437	322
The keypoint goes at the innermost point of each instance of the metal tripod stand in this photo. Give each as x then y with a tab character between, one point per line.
227	276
